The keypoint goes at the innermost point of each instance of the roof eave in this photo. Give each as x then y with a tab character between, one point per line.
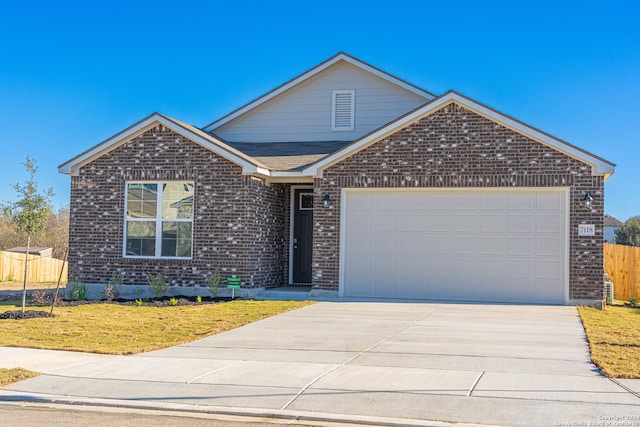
72	166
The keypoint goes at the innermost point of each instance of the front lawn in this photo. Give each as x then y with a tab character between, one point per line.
9	376
121	329
614	339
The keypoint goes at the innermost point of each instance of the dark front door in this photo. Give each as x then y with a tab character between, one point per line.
302	234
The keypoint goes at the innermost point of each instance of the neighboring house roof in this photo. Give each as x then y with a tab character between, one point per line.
610	221
39	251
599	165
340	56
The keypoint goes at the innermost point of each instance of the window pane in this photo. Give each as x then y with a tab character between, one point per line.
177	200
142	200
141	238
176	239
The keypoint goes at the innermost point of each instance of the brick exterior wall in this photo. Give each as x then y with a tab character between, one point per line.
456	148
237	224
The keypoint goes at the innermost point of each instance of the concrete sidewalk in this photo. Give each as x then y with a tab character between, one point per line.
383	362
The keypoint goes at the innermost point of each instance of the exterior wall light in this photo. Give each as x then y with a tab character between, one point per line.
587	200
325	200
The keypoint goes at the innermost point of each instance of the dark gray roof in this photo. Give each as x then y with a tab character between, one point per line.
287	156
610	221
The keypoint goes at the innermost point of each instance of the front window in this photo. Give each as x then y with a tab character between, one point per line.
159	220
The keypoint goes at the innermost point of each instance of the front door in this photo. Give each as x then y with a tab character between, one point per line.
302	234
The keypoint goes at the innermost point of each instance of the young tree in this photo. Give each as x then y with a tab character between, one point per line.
629	232
30	212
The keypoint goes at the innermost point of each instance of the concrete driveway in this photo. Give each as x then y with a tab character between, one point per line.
389	362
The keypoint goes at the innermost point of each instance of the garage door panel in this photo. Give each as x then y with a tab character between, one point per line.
385	202
520	223
384	265
519	270
548	270
410	222
549	223
550	201
492	223
465	245
438	222
492	246
520	246
466	223
384	222
384	243
359	221
521	201
359	243
476	245
493	201
409	244
360	286
549	247
435	244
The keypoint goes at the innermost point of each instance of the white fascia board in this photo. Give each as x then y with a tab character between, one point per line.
72	166
599	166
312	72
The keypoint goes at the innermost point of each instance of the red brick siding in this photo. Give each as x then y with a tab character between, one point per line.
237	223
454	147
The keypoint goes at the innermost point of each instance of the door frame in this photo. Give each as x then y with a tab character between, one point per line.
344	200
292	202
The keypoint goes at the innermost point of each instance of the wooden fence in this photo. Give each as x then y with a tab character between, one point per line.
40	269
622	264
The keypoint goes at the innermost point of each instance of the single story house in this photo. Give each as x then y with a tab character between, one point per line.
611	224
352	182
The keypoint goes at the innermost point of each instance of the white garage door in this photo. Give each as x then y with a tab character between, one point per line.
484	245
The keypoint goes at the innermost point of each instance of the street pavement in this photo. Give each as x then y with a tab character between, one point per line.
392	362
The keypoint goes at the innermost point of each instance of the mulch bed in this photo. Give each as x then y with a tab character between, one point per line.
28	314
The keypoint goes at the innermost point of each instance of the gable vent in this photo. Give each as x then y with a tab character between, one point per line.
342	113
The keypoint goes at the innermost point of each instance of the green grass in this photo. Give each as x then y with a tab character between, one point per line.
122	329
614	339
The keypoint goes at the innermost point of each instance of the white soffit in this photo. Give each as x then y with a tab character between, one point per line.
599	165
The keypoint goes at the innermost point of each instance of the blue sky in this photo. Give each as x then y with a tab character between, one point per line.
74	73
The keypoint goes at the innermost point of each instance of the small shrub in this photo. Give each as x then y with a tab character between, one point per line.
11	277
158	284
109	293
76	290
213	282
607	300
198	299
40	297
116	283
138	302
173	302
633	301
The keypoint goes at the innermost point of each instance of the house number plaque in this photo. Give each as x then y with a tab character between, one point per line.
586	230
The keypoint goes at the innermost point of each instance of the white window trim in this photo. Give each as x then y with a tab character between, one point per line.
351	126
158	220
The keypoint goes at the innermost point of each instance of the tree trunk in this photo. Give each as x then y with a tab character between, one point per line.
26	265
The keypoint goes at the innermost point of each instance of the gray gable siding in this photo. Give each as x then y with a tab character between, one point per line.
304	112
